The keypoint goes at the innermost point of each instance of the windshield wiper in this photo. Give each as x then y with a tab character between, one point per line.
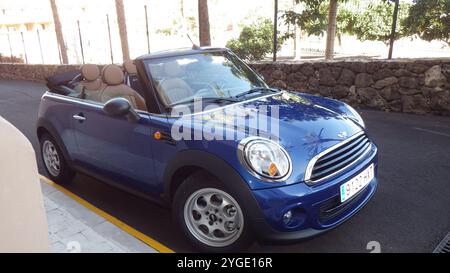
255	90
207	99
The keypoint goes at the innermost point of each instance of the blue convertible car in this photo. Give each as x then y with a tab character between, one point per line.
199	131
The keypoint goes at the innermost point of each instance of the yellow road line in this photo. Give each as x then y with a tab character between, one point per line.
128	229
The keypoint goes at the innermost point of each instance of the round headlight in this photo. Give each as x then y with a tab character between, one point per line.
264	158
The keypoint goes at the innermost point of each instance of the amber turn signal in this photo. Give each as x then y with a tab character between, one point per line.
272	170
157	135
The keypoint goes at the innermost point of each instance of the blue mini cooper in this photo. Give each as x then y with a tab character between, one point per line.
199	131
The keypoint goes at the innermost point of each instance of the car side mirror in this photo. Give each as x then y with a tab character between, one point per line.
120	107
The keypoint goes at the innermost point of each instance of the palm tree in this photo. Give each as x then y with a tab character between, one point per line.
182	8
122	29
331	31
203	22
59	34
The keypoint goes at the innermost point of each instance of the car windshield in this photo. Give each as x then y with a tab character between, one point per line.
218	77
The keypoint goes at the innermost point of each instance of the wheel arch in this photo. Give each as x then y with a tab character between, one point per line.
42	127
179	176
41	131
187	162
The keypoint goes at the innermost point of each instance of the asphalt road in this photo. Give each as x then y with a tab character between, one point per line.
410	211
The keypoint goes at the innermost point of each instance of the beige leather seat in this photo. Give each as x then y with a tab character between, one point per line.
131	77
113	77
173	88
130	67
92	84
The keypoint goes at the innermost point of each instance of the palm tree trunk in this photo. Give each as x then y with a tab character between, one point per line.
331	31
297	41
182	8
203	18
297	31
122	29
59	34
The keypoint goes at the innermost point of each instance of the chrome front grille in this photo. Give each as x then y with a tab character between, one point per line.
337	158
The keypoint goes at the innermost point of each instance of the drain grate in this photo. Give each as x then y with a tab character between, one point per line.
444	246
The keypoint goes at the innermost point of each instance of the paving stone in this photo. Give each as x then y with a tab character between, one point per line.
58	247
49	205
72	229
100	247
46	189
74	208
55	217
122	238
71	225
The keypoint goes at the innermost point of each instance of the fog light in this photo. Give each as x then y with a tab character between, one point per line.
287	217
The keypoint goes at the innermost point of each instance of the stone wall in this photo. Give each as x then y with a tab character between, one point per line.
32	72
410	86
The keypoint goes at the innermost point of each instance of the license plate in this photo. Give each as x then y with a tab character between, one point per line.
357	183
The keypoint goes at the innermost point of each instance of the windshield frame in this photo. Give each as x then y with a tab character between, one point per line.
228	54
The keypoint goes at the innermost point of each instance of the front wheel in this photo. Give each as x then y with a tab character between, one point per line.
211	218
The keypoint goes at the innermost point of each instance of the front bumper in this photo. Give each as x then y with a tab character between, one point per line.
315	209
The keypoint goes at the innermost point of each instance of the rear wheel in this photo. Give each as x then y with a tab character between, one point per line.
54	161
211	218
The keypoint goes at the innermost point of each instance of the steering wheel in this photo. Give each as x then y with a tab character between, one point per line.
206	91
216	88
220	84
220	87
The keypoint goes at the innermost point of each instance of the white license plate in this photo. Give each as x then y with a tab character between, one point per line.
357	183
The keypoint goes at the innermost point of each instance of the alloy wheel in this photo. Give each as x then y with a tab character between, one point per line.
51	158
213	217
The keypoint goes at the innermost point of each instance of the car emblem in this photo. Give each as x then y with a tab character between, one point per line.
342	134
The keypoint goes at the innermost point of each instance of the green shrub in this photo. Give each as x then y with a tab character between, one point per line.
255	41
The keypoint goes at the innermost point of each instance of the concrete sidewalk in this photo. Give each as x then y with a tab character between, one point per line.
74	228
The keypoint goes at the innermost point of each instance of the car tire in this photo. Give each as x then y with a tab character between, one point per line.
54	162
224	220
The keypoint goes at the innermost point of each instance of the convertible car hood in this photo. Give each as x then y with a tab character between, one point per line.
312	122
304	125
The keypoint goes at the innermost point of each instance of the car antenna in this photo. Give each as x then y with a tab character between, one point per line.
194	46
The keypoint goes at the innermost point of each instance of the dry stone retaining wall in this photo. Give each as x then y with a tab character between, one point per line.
410	86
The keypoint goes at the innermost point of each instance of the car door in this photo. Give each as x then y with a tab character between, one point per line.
115	148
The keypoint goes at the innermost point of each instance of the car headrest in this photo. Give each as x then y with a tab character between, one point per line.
90	72
112	75
172	69
129	67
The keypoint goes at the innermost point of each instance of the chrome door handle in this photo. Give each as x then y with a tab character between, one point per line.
79	117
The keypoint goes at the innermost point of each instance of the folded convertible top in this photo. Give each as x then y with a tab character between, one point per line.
65	78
